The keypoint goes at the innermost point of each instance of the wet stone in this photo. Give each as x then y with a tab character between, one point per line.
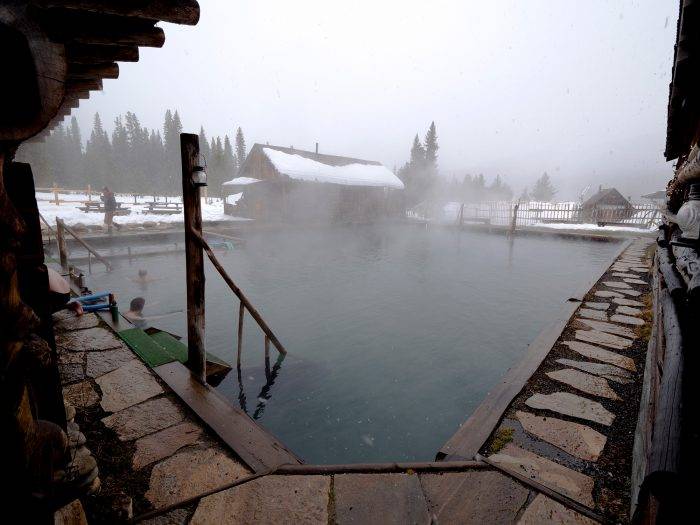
100	363
165	443
629	291
127	386
608	328
593	314
571	405
564	480
607	293
627	302
616	284
453	496
627	310
596	306
81	395
148	417
625	275
189	473
546	510
635	281
77	322
603	338
91	339
71	514
626	319
610	372
379	498
573	438
71	372
600	354
269	500
174	517
587	383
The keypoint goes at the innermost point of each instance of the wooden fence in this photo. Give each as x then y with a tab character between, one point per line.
537	213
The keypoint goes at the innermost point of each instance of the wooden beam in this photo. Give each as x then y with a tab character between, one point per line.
92	71
175	11
84	85
99	54
194	261
72	26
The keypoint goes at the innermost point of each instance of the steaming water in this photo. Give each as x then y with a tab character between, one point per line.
395	335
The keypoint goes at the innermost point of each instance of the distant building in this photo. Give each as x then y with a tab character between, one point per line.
286	184
607	206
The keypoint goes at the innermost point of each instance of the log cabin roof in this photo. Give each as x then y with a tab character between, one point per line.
606	196
75	44
684	90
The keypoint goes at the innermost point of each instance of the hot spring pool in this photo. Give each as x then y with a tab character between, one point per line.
395	334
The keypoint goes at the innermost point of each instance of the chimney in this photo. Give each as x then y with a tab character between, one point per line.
317	148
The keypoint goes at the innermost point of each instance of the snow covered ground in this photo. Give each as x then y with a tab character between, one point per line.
70	212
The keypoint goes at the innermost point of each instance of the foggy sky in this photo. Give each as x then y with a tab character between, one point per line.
577	89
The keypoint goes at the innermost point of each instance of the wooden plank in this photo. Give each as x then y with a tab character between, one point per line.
469	438
175	11
194	261
256	447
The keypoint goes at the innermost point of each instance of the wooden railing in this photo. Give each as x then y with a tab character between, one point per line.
61	229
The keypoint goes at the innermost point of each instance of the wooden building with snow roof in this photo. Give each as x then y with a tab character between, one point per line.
286	184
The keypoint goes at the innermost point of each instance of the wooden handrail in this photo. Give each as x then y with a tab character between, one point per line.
60	223
244	300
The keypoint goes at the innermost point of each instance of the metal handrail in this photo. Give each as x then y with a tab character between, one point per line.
245	304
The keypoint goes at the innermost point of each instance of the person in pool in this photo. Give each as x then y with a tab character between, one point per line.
135	313
143	277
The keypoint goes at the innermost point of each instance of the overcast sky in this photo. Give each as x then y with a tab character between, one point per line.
575	88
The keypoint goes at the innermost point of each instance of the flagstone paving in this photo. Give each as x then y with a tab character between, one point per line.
593	314
626	319
596	306
610	372
600	354
563	454
610	328
627	310
587	383
574	438
126	386
567	481
603	338
572	405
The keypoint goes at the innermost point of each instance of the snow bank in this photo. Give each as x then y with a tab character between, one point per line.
70	212
233	199
240	181
301	168
591	227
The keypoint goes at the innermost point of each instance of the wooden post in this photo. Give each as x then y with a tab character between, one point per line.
55	194
89	192
241	312
267	358
514	219
61	242
194	261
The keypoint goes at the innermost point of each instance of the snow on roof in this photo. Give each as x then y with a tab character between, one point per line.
233	199
241	181
353	174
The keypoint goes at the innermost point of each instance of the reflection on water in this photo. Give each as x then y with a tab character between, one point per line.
394	334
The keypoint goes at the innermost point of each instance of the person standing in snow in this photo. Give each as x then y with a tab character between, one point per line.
110	204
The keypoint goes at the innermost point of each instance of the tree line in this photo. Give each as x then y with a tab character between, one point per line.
133	159
420	177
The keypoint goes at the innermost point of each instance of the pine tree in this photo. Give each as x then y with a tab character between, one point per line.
525	195
431	148
99	166
543	190
230	164
241	152
417	154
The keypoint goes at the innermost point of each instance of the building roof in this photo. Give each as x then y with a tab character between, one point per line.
657	195
684	90
333	169
240	181
606	196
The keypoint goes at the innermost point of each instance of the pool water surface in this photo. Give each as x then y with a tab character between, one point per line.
395	334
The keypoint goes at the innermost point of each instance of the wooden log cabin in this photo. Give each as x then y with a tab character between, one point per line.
281	184
666	453
54	54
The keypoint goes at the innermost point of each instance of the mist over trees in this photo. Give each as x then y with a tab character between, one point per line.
419	174
133	159
543	190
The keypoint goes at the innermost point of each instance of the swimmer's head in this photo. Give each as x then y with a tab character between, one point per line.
137	304
143	273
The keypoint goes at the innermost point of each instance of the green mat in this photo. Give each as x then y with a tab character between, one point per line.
160	348
150	351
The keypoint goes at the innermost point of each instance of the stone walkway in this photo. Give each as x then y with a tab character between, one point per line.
572	426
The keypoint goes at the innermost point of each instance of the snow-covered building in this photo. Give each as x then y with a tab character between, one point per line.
279	183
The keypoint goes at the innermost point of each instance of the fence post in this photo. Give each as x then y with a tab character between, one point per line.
55	194
61	242
194	260
89	192
515	218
